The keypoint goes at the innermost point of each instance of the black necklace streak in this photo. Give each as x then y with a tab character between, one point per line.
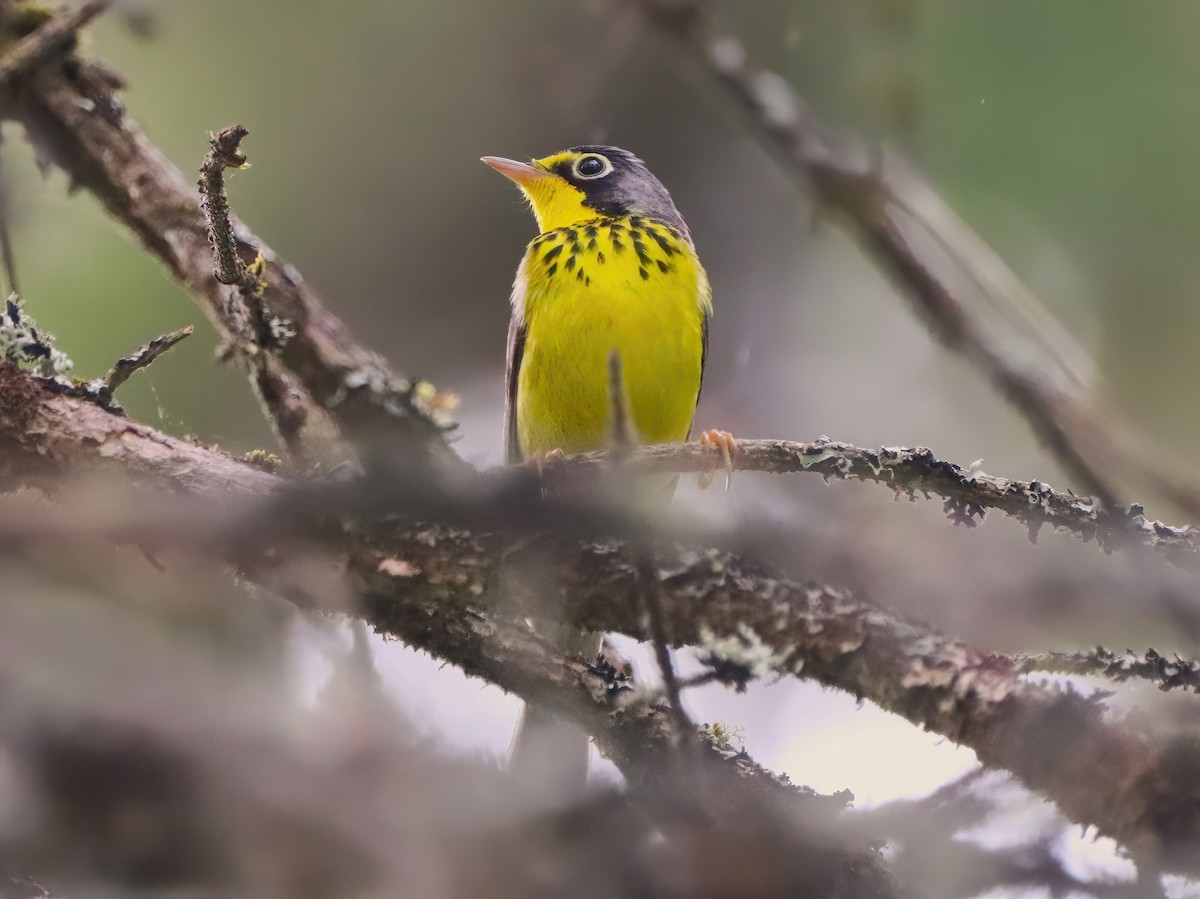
584	243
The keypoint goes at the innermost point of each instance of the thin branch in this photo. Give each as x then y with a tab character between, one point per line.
254	335
124	368
8	260
968	493
881	201
1167	674
656	628
225	153
48	39
624	430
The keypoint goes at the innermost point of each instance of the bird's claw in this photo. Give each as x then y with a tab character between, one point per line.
728	446
539	461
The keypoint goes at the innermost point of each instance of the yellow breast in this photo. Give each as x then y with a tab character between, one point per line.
632	285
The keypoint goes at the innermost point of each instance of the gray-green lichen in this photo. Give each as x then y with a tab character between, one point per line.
280	331
30	347
728	741
398	397
745	650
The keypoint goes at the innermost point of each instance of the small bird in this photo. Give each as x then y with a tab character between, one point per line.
613	268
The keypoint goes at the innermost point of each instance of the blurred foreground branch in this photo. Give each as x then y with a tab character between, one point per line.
463	596
51	36
45	435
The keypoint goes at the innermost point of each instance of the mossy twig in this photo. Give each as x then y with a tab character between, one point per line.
32	348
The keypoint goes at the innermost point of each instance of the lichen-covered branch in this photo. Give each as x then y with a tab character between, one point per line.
968	492
713	780
1054	740
254	335
914	237
1167	674
463	596
45	435
74	116
224	152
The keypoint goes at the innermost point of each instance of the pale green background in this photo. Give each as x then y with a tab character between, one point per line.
1064	132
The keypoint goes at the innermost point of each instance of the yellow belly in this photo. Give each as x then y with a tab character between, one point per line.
602	290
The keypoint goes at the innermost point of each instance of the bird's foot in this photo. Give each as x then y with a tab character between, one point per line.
542	459
728	445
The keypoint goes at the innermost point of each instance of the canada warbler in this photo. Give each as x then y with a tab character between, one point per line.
613	268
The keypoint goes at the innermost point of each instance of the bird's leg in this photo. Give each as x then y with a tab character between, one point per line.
728	446
541	459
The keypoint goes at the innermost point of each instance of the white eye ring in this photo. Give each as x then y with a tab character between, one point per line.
576	168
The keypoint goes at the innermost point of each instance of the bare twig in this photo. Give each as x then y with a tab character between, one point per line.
124	368
8	261
225	153
48	39
656	628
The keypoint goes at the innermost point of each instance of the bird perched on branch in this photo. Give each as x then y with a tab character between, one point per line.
612	269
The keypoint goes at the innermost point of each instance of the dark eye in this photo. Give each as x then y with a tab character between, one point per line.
591	166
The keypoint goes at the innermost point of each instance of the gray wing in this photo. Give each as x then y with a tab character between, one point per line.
516	352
